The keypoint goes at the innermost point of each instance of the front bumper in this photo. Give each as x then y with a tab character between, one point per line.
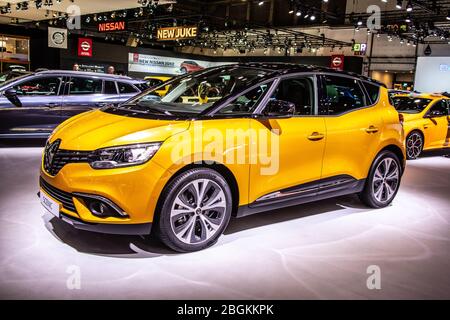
133	189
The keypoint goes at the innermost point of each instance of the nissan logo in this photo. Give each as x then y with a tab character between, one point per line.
85	46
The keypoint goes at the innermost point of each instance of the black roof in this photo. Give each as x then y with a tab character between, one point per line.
286	68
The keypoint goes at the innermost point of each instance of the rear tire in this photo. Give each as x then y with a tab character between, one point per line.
383	181
196	208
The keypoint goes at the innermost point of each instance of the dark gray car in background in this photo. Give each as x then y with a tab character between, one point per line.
31	106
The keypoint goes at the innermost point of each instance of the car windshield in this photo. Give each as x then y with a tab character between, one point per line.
410	104
194	93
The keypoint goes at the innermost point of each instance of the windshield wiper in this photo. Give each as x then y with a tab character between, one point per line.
147	109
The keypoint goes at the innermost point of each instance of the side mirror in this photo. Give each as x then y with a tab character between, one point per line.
11	95
279	108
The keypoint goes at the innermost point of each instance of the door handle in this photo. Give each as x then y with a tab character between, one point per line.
315	136
371	129
51	105
425	126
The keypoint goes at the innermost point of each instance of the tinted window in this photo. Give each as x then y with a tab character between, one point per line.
85	86
44	86
299	91
439	109
154	82
247	102
142	86
410	104
110	87
373	91
125	88
340	94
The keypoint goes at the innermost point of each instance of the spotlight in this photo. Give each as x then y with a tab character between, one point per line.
408	18
399	4
260	3
359	22
88	19
409	6
312	17
385	1
448	15
298	13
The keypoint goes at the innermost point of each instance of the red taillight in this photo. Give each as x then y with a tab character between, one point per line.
400	118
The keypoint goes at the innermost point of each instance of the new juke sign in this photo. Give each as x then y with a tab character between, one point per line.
176	33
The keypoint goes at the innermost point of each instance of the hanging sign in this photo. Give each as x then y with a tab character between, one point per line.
112	26
337	62
176	33
57	38
84	47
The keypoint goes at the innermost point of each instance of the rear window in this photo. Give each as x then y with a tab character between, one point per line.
142	86
373	91
410	104
125	88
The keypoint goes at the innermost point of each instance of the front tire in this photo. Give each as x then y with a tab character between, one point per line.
383	181
196	209
414	145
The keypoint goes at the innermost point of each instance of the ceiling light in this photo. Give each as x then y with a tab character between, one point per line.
298	13
409	6
399	4
312	17
260	3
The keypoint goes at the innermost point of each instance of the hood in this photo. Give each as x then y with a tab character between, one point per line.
97	129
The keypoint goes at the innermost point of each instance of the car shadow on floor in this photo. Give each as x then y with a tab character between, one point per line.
148	247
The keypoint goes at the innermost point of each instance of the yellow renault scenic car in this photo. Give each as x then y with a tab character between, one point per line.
426	121
280	135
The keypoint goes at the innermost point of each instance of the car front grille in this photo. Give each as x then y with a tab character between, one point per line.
55	159
65	198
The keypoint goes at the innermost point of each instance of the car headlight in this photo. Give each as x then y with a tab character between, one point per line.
123	156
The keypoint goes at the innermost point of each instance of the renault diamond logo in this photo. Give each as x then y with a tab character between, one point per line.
50	151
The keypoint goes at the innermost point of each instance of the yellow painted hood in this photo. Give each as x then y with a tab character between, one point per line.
97	129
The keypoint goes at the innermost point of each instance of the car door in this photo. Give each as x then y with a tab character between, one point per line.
82	93
436	125
38	107
353	127
293	168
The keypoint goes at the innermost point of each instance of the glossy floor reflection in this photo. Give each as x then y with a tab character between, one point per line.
319	250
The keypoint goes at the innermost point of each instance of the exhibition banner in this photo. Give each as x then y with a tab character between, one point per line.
153	64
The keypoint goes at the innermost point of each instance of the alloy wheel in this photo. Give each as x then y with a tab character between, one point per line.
198	211
414	145
386	179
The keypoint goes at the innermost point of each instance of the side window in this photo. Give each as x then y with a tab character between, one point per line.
80	86
439	109
373	90
154	82
247	102
299	91
110	87
339	95
43	86
125	88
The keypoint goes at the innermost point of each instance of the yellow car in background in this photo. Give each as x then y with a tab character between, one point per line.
426	121
263	136
154	81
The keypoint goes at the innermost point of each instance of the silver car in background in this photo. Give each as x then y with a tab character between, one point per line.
31	106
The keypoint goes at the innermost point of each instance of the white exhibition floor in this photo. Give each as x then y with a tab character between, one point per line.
316	251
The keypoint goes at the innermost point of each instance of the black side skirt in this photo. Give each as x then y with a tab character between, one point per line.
308	192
